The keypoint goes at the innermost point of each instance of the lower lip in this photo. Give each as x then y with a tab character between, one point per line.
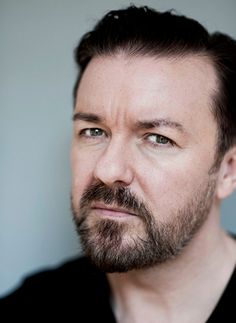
112	214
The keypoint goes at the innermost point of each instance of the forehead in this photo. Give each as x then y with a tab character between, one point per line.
120	85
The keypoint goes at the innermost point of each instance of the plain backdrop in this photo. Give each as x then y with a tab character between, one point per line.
37	74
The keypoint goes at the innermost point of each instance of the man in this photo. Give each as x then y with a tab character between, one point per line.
153	155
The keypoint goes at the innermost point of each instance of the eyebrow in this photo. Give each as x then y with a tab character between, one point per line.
89	117
139	125
157	123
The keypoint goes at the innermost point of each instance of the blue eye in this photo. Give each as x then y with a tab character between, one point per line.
92	132
159	140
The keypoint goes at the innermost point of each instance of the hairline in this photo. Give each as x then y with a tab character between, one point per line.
158	54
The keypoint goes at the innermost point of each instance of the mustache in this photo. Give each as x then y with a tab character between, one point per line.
119	195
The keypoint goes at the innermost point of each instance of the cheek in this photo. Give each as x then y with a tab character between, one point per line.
164	190
170	186
82	170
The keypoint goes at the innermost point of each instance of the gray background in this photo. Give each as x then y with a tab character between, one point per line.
37	73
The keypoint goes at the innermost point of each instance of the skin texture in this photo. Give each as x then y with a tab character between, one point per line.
123	90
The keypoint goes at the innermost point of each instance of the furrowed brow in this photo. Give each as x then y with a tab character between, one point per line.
89	117
158	123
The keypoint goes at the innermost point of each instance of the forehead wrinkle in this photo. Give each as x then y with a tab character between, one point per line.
121	99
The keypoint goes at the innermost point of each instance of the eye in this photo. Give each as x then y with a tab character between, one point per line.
91	132
159	140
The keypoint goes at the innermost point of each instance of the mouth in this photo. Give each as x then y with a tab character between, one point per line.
111	211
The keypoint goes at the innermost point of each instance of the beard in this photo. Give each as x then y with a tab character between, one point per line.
121	246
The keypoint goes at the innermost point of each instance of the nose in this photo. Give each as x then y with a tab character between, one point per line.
114	165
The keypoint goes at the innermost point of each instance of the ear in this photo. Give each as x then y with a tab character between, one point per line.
227	174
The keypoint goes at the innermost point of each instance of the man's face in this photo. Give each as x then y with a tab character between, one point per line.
143	145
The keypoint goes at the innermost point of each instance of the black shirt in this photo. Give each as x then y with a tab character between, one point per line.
78	291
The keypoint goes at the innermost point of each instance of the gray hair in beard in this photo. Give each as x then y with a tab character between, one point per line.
103	243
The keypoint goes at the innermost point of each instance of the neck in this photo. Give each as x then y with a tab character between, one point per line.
194	280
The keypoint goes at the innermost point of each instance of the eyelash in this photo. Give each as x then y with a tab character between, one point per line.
170	142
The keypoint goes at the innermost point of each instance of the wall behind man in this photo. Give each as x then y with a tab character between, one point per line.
37	73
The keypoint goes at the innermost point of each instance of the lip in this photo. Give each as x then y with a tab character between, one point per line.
109	210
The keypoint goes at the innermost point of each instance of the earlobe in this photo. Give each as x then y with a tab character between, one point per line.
227	175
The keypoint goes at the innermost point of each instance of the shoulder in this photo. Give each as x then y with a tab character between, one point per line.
74	282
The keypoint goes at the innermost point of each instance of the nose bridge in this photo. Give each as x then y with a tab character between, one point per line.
114	163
